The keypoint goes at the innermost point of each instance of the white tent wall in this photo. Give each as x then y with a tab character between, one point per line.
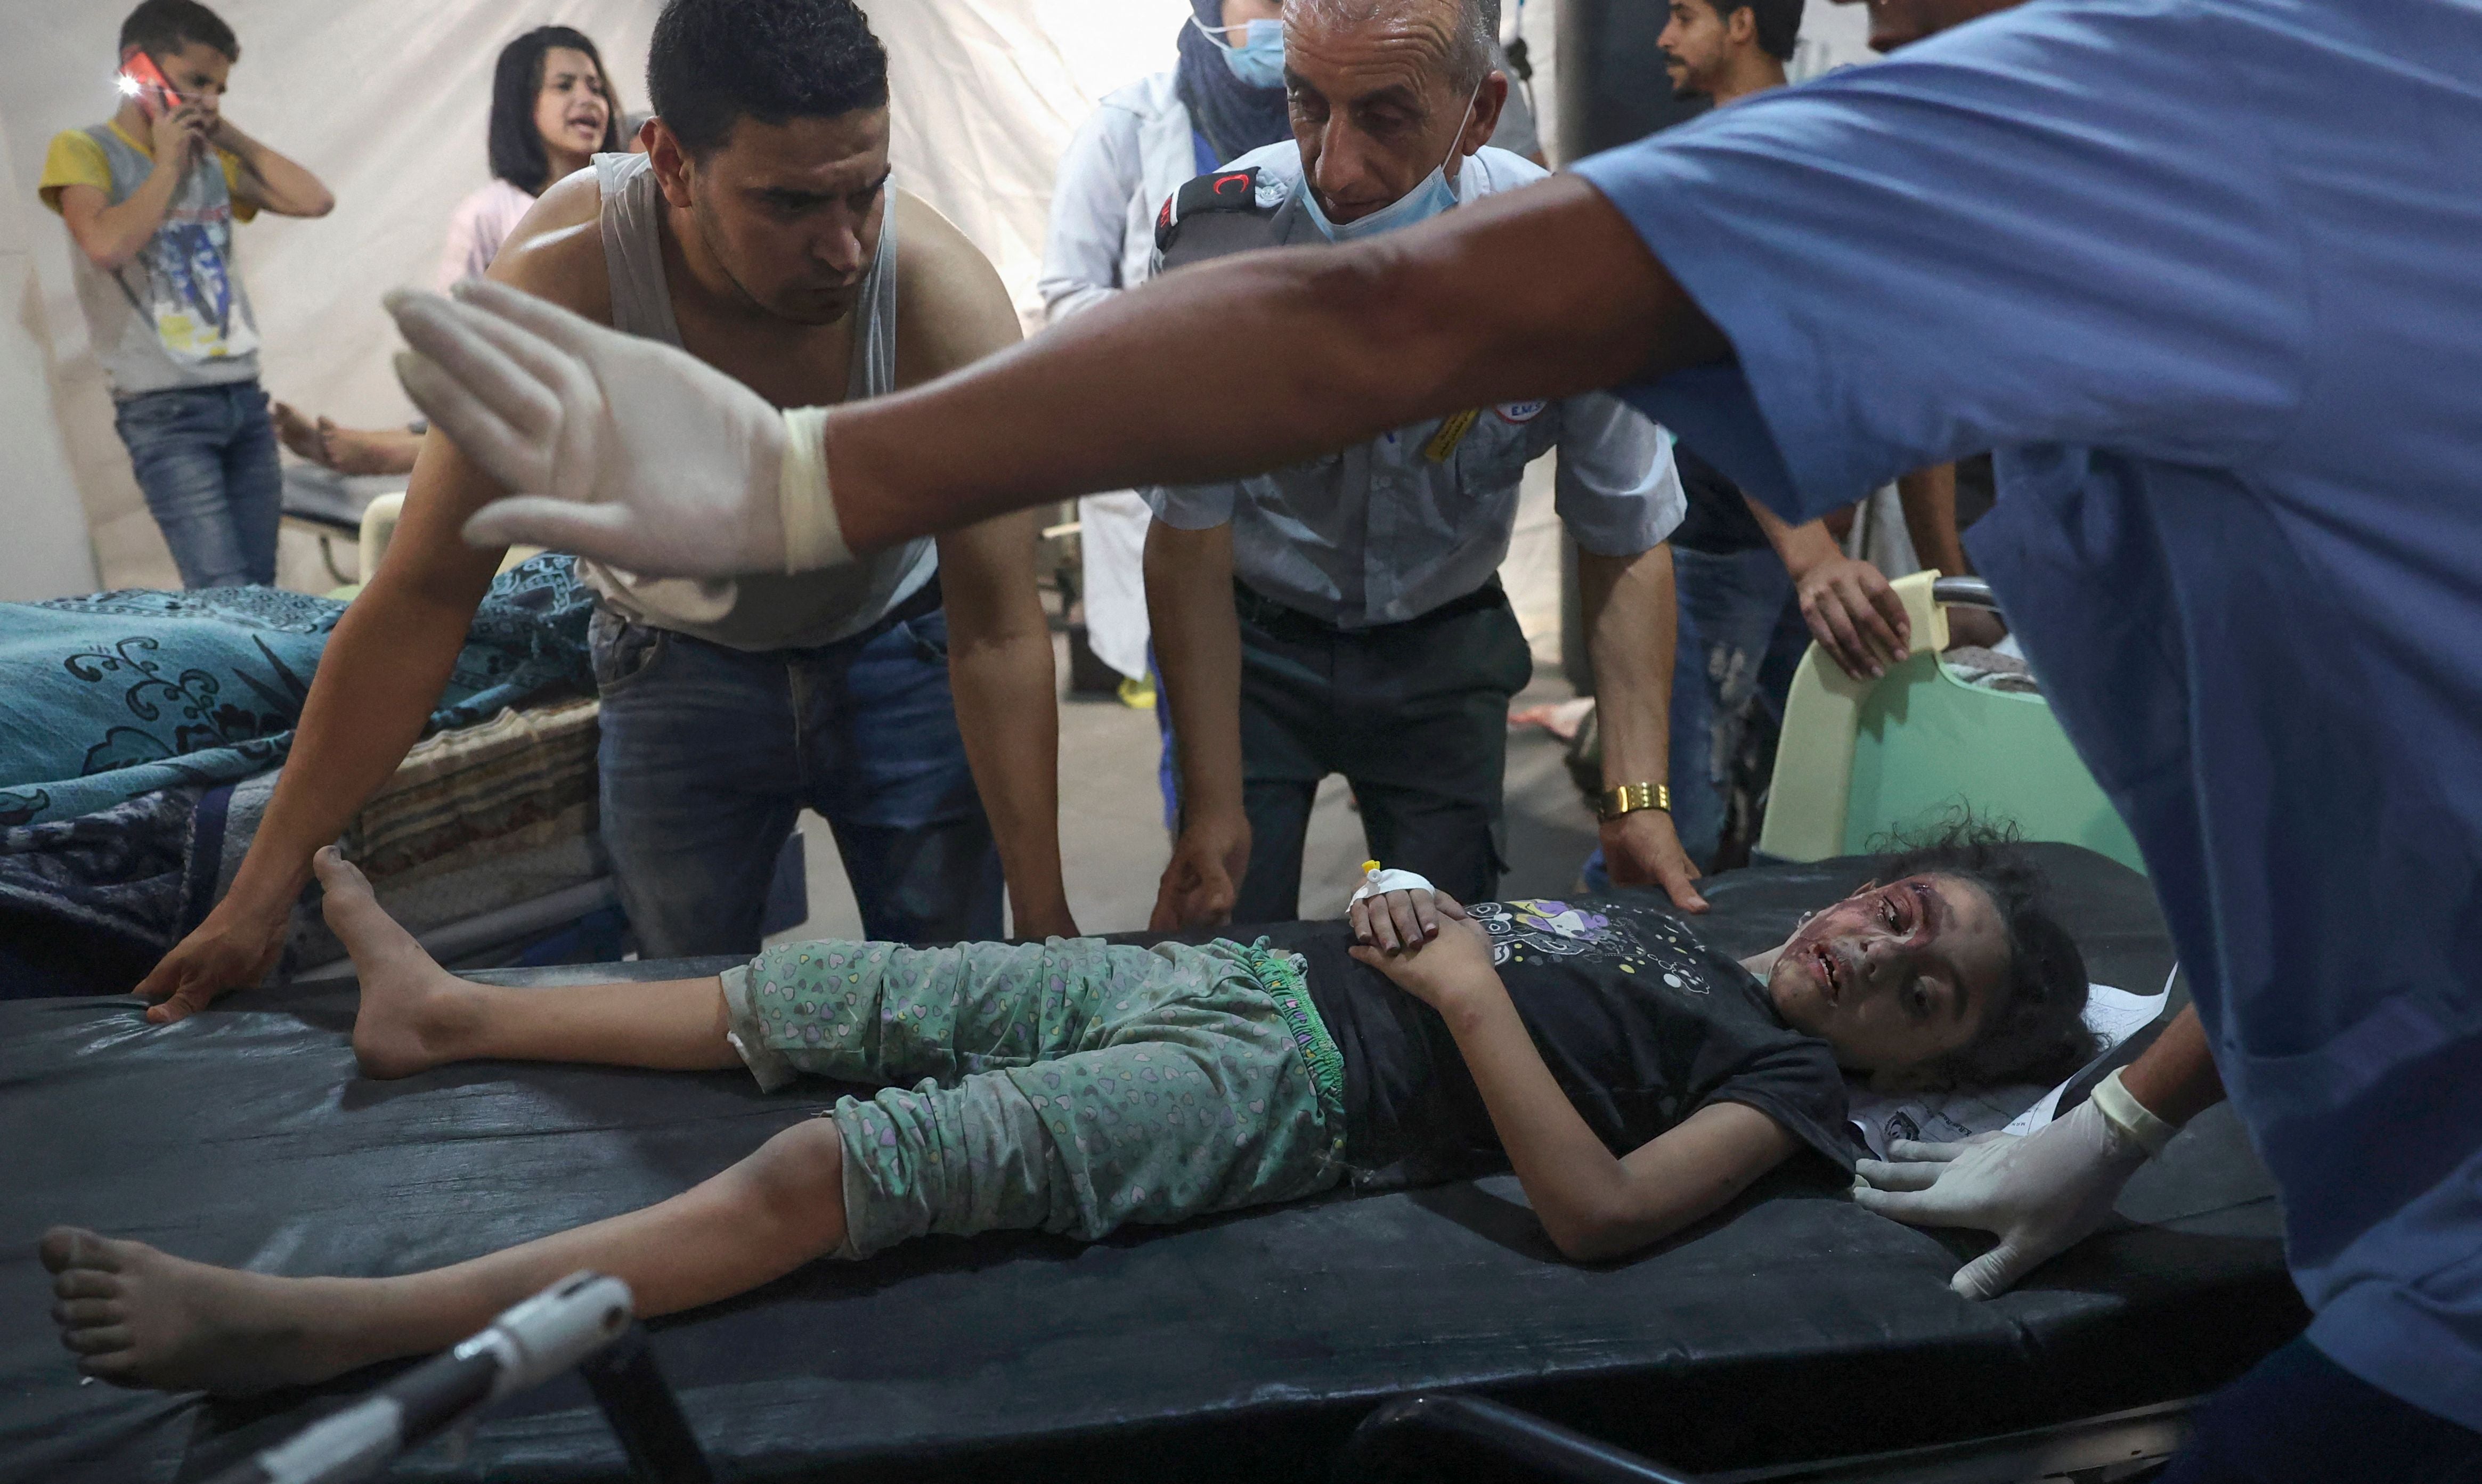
47	552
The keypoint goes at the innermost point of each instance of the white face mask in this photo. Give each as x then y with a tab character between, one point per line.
1428	200
1259	62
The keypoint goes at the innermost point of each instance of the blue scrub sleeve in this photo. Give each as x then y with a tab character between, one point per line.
2026	230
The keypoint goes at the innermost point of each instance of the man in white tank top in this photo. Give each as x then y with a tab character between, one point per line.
761	234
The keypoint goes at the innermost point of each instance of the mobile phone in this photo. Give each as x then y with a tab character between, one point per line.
139	78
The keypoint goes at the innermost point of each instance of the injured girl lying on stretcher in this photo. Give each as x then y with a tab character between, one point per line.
1635	1079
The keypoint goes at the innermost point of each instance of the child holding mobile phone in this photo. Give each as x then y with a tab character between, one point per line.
150	198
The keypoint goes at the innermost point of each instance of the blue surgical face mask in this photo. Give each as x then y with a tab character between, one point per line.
1259	62
1434	196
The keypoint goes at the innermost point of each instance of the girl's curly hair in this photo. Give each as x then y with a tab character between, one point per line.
2036	1032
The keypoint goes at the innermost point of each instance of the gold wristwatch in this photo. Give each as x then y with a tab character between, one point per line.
1629	798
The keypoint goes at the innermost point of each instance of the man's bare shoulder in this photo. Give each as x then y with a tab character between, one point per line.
556	249
952	308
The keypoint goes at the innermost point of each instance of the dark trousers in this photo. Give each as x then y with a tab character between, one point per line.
1415	715
2298	1417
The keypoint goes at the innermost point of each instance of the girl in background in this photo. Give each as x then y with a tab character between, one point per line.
552	110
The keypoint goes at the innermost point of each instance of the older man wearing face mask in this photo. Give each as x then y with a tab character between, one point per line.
1344	614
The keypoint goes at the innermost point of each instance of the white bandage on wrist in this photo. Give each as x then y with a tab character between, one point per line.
1378	883
2120	1108
813	537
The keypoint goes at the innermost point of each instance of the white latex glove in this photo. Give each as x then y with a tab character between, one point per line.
2042	1192
621	448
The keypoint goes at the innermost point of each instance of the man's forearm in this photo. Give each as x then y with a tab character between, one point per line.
381	673
1929	498
383	668
1342	343
1800	547
1197	648
1008	710
2175	1078
1631	623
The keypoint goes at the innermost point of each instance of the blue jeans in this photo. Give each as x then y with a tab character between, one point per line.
708	753
205	458
1741	634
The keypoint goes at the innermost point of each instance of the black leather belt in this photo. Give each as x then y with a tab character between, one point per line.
1264	613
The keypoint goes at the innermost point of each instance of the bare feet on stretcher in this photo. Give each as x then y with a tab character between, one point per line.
413	1010
136	1316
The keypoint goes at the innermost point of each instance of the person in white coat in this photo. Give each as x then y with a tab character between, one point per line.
1225	98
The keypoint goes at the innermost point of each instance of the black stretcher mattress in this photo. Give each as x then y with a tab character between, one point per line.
1792	1326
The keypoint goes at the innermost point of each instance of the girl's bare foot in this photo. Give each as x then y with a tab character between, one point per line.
415	1015
136	1316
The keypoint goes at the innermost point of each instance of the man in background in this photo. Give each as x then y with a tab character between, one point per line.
150	198
1754	591
1345	615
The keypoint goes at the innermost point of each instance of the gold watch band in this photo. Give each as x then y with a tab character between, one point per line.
1629	798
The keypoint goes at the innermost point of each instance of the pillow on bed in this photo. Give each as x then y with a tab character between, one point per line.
1943	1118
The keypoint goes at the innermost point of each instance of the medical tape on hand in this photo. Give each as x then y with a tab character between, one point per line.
813	537
1379	883
2120	1108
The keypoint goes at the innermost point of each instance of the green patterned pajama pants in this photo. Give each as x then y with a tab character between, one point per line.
1068	1086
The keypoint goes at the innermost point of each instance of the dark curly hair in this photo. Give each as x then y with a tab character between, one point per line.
2036	1032
715	62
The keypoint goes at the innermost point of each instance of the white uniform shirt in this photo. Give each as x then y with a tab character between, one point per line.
1388	530
1136	149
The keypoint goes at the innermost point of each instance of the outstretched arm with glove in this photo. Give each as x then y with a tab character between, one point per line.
635	453
2044	1192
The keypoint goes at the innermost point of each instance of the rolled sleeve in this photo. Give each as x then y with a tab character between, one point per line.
1192	507
75	158
244	209
1618	490
2054	224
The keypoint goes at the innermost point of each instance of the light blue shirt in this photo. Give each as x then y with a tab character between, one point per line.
2207	275
1388	530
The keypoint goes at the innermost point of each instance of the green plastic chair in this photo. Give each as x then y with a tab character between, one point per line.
1862	759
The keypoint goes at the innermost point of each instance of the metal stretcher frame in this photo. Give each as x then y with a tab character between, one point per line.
1793	1327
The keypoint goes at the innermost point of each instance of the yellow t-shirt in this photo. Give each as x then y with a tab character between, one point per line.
175	314
76	159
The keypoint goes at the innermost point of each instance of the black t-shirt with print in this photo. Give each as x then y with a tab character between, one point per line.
1641	1024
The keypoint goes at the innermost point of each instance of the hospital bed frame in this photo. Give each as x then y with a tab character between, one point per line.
1862	760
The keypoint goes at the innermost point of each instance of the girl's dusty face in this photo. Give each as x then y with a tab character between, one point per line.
1895	976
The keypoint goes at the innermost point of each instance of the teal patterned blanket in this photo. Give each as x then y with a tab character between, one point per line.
118	695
